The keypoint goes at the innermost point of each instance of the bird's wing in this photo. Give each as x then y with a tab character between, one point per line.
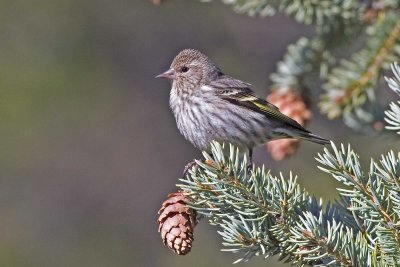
239	93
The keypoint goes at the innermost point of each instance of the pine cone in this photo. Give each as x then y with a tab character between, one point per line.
157	2
176	223
372	13
293	106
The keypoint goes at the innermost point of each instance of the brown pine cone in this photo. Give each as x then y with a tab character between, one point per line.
372	13
293	106
176	223
157	2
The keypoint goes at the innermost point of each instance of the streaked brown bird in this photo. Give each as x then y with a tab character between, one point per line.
209	105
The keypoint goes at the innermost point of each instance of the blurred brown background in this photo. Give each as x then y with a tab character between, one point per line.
89	147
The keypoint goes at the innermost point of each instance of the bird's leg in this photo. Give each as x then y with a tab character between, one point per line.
251	156
250	163
189	166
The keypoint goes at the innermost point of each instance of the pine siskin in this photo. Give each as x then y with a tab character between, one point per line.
209	105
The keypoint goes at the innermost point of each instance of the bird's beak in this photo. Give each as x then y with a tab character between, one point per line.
169	74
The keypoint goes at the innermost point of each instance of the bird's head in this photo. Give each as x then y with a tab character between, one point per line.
191	69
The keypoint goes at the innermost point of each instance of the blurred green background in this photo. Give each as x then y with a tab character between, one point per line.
89	147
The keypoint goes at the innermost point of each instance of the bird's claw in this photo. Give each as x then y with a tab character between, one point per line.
249	167
189	166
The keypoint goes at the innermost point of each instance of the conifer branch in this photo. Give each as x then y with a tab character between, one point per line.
371	195
259	214
301	60
393	114
352	84
320	13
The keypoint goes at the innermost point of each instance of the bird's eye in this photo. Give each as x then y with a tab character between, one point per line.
184	69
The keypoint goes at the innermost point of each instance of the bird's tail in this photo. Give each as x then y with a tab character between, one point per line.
314	138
